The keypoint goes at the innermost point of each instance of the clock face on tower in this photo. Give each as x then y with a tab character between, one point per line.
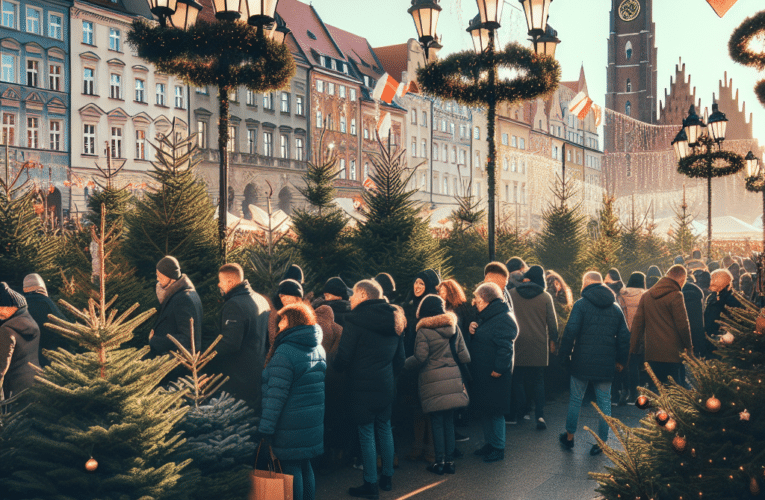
629	10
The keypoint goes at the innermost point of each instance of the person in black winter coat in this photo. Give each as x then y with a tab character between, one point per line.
336	295
371	352
179	302
719	303
652	276
388	286
19	343
596	340
40	306
492	355
244	330
694	306
613	280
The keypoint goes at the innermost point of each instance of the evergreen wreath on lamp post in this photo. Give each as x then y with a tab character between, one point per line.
460	76
697	157
755	182
224	54
739	48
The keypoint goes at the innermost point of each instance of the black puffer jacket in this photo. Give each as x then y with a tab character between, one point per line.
371	351
717	303
596	335
19	345
40	306
492	350
694	306
242	350
341	308
181	304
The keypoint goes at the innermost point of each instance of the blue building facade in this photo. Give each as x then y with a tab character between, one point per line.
35	89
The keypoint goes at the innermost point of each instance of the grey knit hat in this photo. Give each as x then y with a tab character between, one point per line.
11	298
170	267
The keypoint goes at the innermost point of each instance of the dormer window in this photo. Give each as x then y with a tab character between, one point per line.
310	35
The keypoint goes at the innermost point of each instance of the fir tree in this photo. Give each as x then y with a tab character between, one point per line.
466	239
393	238
706	441
25	247
562	244
96	425
683	240
603	253
322	245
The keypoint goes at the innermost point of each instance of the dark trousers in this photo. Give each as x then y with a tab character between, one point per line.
635	368
442	423
535	377
303	481
664	370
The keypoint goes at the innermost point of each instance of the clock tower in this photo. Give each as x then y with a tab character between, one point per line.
631	76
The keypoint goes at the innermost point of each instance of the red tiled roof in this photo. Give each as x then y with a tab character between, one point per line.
572	85
393	59
357	48
302	18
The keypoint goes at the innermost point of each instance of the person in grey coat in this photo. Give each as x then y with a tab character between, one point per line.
179	302
244	330
442	389
19	343
40	306
538	327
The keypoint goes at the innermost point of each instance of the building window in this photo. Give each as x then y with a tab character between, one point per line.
9	68
353	126
342	174
353	170
568	155
504	139
9	15
435	151
252	141
443	125
424	149
505	164
87	32
514	141
54	129
476	133
54	26
319	123
341	91
299	149
477	159
462	157
342	123
33	20
201	134
9	129
319	85
285	102
453	156
268	144
33	71
414	116
629	85
628	109
353	94
202	90
233	95
268	100
446	153
89	140
180	98
88	81
331	88
366	171
54	77
628	50
250	98
140	90
446	185
114	39
414	147
116	142
284	146
424	121
140	144
521	143
115	86
299	105
451	128
160	94
231	144
366	133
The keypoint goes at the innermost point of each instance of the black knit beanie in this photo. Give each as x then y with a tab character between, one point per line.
291	288
336	286
704	279
11	298
168	266
294	272
515	264
386	282
637	280
536	275
613	273
696	254
431	305
431	280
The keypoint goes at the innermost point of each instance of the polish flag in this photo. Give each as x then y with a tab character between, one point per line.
383	126
385	89
580	105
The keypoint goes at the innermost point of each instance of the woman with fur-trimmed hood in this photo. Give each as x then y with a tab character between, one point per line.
441	386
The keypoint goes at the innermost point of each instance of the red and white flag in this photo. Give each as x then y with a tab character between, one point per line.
385	89
580	105
403	89
598	113
369	184
383	125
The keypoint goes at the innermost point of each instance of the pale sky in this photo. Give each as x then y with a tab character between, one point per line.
684	28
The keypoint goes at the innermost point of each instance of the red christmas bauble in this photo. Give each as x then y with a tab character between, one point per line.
91	465
671	425
642	402
713	404
661	417
679	444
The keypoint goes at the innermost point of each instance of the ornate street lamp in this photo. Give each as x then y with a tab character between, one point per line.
479	34
681	145
185	14
491	13
260	12
693	126
279	31
425	15
718	123
547	43
227	10
162	9
536	12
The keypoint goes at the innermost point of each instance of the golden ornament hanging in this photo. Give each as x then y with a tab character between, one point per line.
713	404
754	486
744	415
727	339
679	444
91	465
671	425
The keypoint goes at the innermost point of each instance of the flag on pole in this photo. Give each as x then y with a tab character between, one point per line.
598	113
403	89
580	105
383	125
385	89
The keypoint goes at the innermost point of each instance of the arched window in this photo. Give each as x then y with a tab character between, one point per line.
446	185
366	171
629	85
628	109
353	170
628	50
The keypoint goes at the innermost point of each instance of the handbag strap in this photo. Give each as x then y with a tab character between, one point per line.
273	462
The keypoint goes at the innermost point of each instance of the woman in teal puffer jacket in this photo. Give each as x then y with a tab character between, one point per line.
293	396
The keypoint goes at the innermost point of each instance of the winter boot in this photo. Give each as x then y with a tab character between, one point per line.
367	490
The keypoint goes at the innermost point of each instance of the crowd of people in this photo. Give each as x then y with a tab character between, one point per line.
326	376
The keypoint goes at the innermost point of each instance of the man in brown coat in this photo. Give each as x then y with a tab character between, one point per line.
661	324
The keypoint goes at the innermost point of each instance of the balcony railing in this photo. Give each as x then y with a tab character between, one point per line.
212	155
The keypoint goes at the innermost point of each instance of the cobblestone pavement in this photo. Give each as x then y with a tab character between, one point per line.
535	466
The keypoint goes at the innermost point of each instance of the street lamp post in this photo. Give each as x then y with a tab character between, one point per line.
695	151
224	54
482	30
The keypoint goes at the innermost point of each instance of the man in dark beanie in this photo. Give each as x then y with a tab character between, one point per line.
179	303
613	280
515	269
294	272
386	282
336	295
40	306
19	343
652	276
538	327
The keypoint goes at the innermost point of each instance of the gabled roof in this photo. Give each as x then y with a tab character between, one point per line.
393	59
357	48
303	19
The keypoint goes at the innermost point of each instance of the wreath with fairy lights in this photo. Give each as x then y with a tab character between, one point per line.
457	77
755	184
218	54
738	48
698	165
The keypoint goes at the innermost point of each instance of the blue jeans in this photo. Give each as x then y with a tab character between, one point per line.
369	449
442	423
494	430
536	376
603	396
303	482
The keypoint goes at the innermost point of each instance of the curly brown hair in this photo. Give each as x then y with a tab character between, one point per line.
455	295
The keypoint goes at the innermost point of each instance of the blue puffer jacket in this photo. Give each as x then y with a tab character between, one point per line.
293	394
596	335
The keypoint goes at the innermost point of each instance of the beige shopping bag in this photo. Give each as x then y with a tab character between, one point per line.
269	484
